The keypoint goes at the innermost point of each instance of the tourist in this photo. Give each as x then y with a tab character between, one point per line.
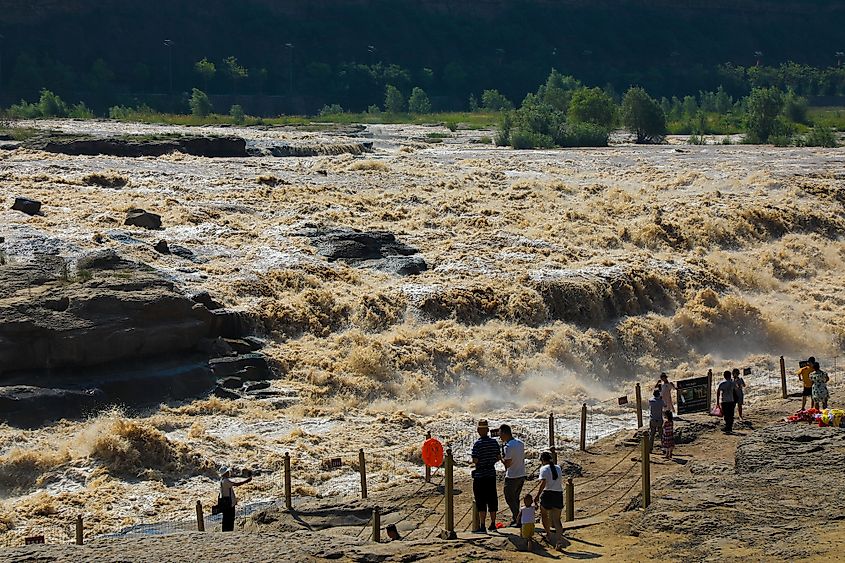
227	501
485	454
393	532
739	391
513	457
550	494
726	397
666	389
655	419
526	521
668	435
820	391
804	371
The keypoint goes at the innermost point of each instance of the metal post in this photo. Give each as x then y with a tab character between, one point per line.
377	524
449	498
427	468
476	523
200	519
646	472
363	465
552	430
288	499
570	500
584	427
79	530
783	377
639	406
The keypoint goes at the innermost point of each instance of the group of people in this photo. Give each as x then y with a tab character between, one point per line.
730	396
486	453
814	381
661	415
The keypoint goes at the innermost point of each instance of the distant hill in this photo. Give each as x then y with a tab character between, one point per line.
671	47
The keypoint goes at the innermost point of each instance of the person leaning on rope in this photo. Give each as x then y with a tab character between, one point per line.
227	500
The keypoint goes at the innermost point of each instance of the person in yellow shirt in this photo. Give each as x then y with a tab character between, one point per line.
804	376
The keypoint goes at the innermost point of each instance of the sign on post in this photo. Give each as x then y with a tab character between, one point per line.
693	395
33	540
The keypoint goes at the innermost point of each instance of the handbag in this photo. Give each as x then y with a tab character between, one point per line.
717	411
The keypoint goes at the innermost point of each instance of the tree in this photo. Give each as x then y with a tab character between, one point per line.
724	103
643	116
493	100
206	71
394	101
237	114
690	107
557	91
419	102
51	105
234	71
762	109
795	107
200	104
592	105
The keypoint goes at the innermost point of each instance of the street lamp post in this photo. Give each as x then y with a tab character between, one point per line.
169	44
290	47
839	55
758	55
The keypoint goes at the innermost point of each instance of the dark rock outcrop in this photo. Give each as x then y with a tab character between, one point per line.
162	247
144	219
135	147
249	367
373	249
26	205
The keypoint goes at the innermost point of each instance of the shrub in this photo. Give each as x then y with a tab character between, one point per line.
24	110
493	100
200	104
503	135
763	107
643	116
419	102
820	136
557	91
579	134
592	105
237	114
374	110
51	105
333	109
525	139
473	103
452	126
696	140
795	107
81	111
394	101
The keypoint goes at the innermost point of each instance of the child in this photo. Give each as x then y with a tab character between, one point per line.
668	435
526	519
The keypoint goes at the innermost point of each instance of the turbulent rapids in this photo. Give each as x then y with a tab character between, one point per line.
552	277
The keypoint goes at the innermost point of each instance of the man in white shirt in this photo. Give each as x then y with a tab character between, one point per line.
513	456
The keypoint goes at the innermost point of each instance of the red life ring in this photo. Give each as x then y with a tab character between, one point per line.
432	452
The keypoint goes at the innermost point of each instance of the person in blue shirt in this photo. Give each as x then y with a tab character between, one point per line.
485	455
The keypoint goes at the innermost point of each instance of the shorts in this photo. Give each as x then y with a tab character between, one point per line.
808	392
740	398
552	500
527	531
485	493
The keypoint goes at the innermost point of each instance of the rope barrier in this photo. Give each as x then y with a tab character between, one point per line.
614	503
614	466
599	493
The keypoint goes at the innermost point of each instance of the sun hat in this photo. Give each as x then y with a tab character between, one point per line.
483	424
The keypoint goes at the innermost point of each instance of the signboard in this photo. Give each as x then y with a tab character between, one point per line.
32	540
494	432
746	371
622	400
694	395
333	463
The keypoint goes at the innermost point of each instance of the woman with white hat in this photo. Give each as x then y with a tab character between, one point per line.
227	500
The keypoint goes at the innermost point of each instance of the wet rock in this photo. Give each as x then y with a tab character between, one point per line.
182	252
106	259
257	386
26	205
375	249
226	146
249	366
204	298
144	219
26	405
231	382
161	247
225	393
242	346
403	265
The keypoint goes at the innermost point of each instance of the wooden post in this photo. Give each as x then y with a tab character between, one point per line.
639	407
200	518
363	469
553	451
552	430
449	498
709	389
475	521
783	377
427	468
377	524
646	473
584	427
570	500
79	530
288	499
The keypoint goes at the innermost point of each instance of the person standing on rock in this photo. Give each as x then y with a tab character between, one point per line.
655	418
485	454
820	391
513	457
739	391
726	397
804	372
666	388
227	501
